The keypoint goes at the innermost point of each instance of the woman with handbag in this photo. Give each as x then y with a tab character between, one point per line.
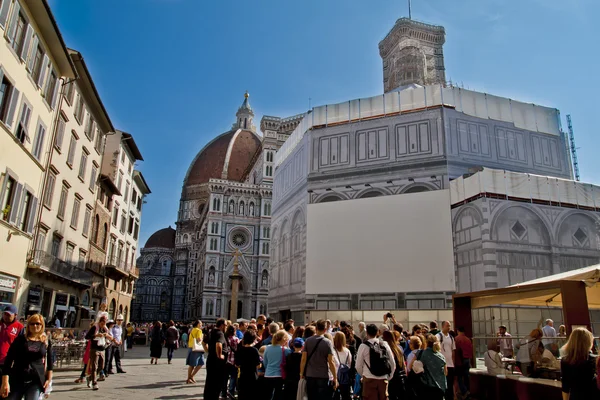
172	340
99	336
273	361
195	357
27	370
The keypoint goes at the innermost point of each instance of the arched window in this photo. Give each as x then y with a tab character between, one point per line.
111	309
209	307
95	228
241	208
245	123
166	267
104	235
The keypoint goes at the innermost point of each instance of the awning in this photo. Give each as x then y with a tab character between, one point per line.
540	292
88	309
62	308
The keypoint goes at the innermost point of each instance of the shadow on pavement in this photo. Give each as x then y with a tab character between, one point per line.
158	385
181	396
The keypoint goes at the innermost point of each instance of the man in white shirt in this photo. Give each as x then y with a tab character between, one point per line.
549	332
115	349
504	342
448	347
374	387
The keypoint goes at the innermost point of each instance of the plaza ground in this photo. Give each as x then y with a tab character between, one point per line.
142	380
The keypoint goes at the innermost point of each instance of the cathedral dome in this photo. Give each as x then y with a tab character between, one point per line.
226	157
164	238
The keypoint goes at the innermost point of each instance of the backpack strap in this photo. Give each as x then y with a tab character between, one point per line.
310	355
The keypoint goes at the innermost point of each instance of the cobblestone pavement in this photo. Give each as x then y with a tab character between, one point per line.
142	380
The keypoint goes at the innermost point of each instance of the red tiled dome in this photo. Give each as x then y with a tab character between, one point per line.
163	238
226	157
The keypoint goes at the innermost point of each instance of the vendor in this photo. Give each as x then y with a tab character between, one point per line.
493	359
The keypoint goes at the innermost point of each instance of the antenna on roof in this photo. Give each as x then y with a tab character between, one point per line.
409	9
309	102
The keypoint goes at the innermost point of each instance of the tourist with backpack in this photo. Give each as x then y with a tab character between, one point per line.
343	362
448	349
375	363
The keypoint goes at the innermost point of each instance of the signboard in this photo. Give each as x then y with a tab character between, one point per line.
8	283
61	299
34	296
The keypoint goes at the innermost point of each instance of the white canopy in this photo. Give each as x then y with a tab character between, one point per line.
540	292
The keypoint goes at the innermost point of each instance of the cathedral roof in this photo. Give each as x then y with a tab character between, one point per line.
225	157
162	238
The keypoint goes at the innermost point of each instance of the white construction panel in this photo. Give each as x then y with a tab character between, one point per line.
398	243
468	102
554	189
538	186
412	99
433	95
517	185
354	109
319	115
568	192
457	193
449	97
585	194
371	106
498	108
338	113
472	187
392	102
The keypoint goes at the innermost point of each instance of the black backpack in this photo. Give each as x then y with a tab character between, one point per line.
378	356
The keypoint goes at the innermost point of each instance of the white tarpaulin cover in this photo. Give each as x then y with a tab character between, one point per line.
524	186
482	105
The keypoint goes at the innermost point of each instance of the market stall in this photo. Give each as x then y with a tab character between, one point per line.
575	292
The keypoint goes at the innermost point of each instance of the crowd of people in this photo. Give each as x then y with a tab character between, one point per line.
264	359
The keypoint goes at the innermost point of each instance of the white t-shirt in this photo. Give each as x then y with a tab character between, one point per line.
343	357
409	359
493	362
448	345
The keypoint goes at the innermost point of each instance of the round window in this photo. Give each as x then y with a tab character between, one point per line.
239	239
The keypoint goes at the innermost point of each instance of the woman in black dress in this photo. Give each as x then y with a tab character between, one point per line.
157	340
578	367
27	369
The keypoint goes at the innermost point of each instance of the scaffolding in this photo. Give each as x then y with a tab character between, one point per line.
573	148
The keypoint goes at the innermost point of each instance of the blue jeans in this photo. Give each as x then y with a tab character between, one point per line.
233	375
25	391
170	350
462	376
318	389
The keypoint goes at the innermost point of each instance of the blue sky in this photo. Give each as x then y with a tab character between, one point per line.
173	72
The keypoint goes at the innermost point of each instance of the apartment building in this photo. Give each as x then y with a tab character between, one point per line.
121	155
34	63
69	227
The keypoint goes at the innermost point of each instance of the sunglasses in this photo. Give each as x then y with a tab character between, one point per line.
35	323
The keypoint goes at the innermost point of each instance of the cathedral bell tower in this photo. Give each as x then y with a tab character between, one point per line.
245	116
412	53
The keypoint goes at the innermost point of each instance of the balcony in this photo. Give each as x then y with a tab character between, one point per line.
45	262
116	268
